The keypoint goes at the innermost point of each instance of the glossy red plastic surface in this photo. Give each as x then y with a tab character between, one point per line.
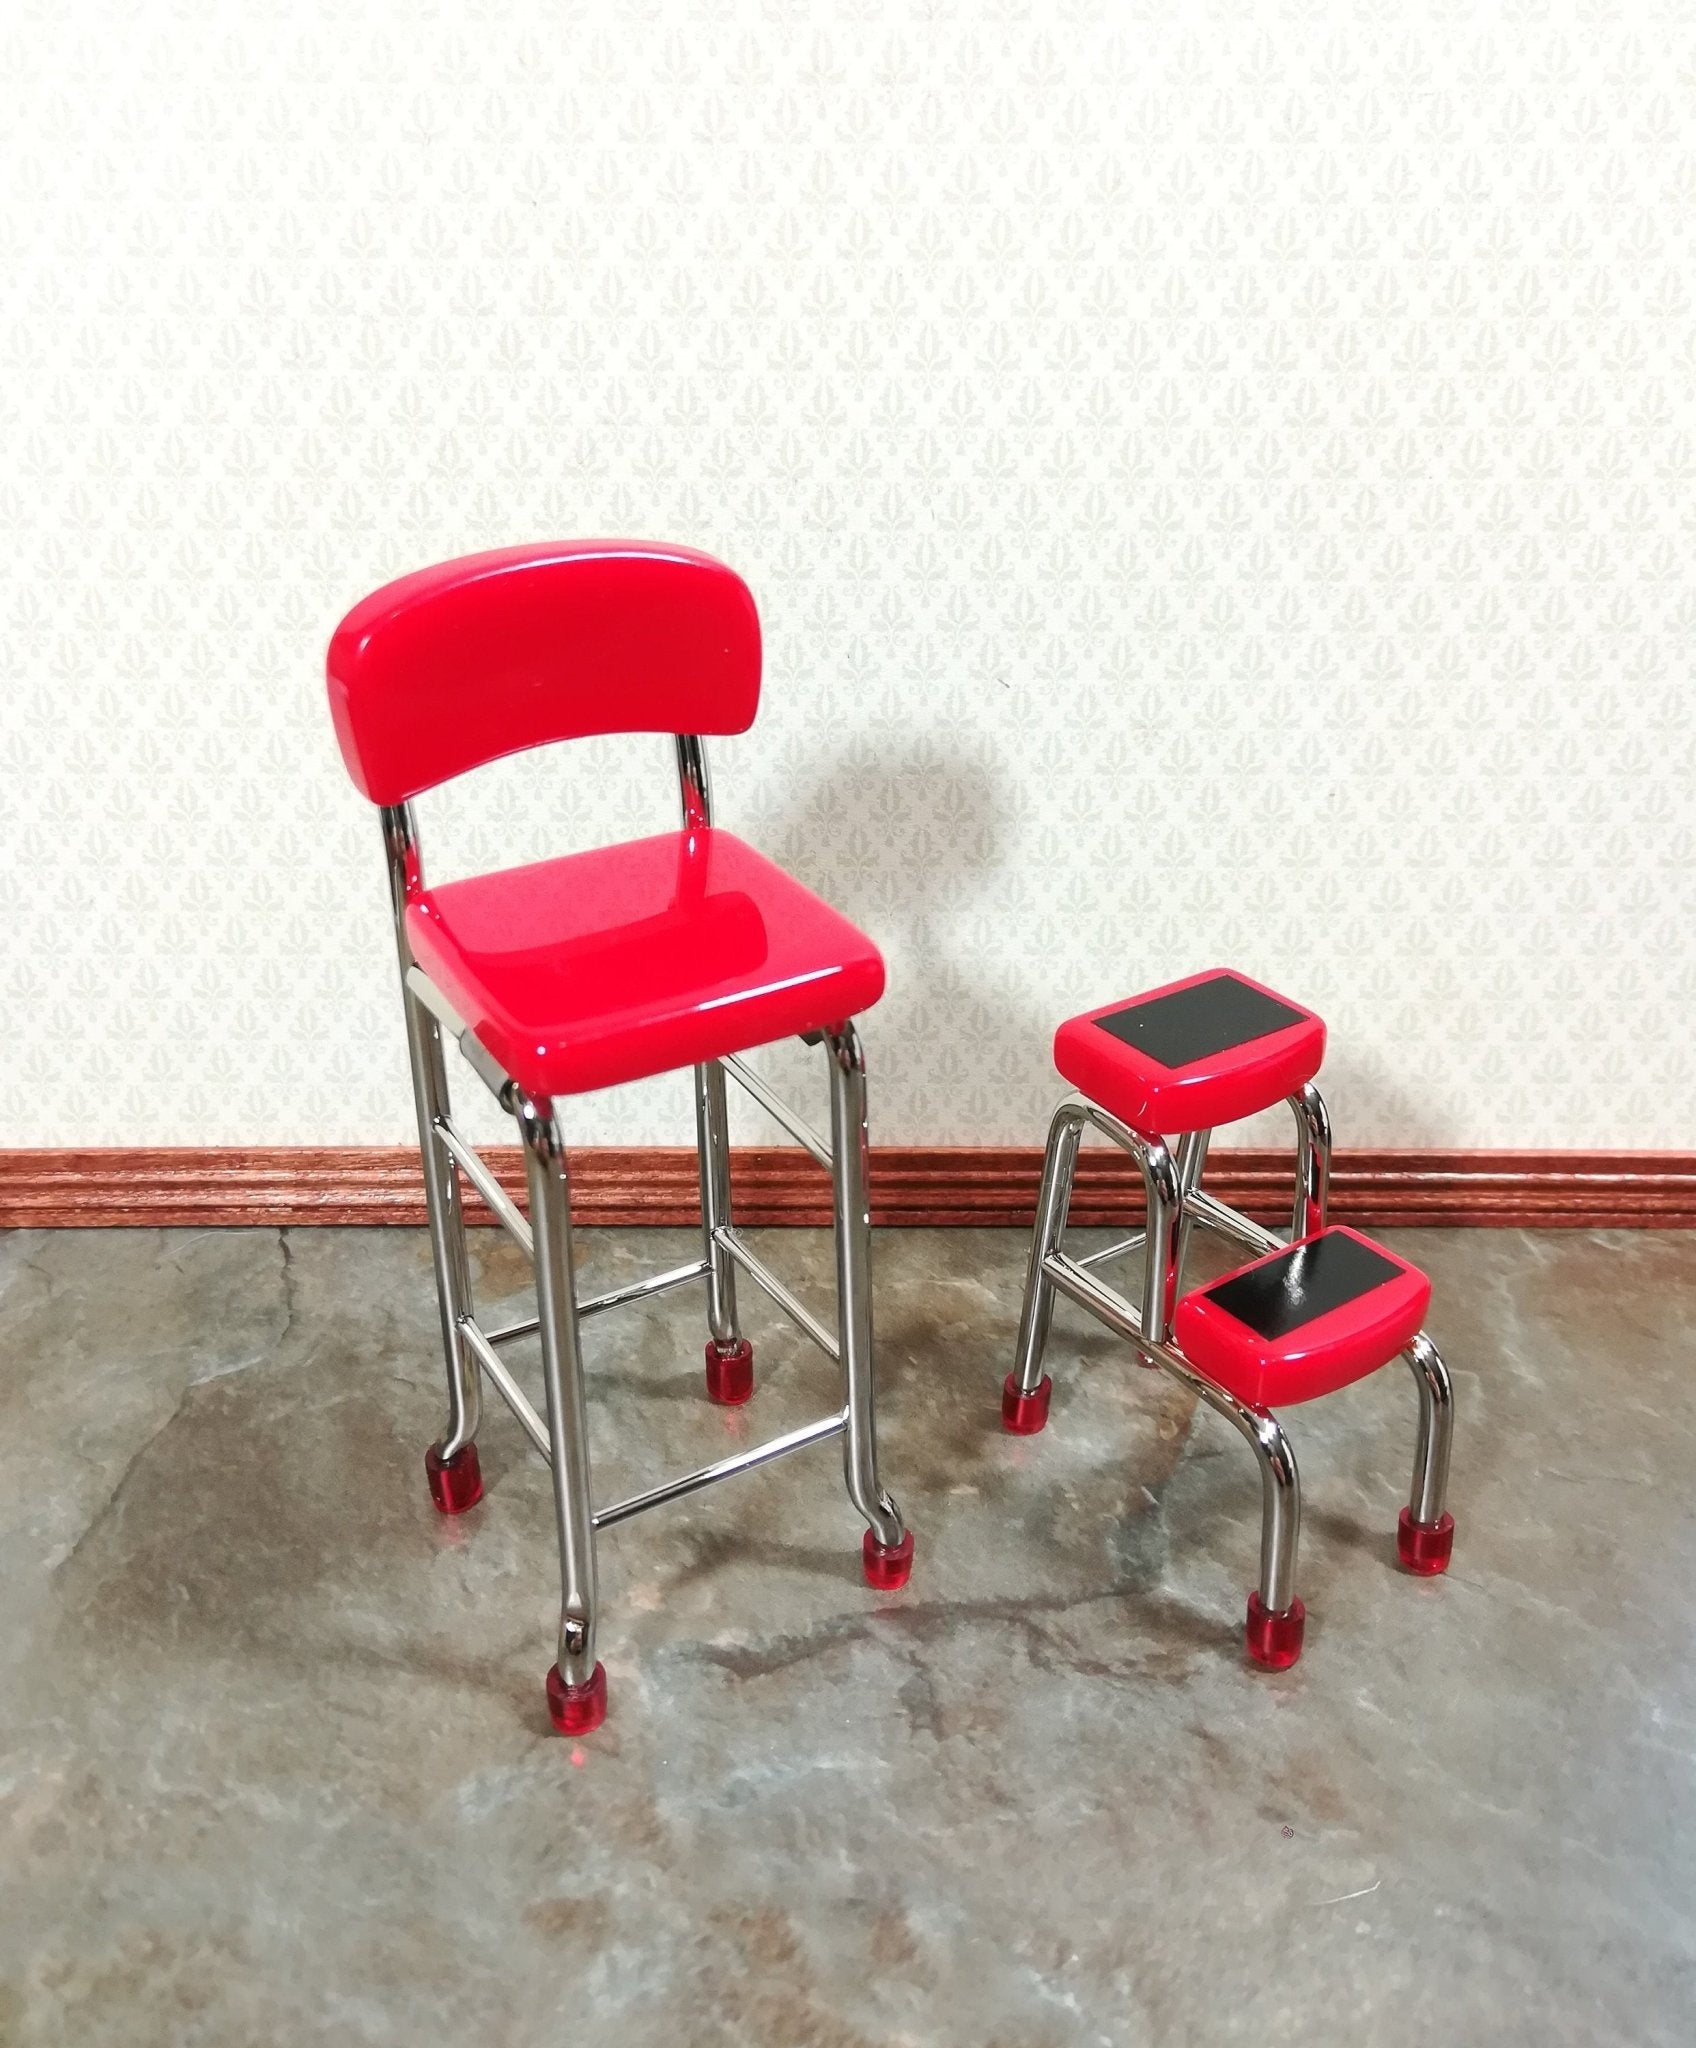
577	1709
730	1372
637	959
1329	1352
1274	1640
457	1484
1024	1414
469	660
887	1566
1425	1547
1163	1101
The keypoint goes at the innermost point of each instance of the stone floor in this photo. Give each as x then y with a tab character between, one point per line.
275	1765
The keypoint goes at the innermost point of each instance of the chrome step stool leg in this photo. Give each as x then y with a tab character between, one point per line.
730	1357
450	1464
1425	1535
1026	1390
1192	1164
887	1544
1276	1618
577	1685
1313	1162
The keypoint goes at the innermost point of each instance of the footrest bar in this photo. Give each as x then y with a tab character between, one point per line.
776	1108
1134	1243
638	1290
506	1386
743	1461
763	1277
475	1169
1231	1223
1104	1303
1121	1317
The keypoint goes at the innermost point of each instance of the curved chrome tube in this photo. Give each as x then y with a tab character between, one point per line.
1161	1236
1192	1163
1313	1161
1059	1162
850	1183
562	1381
694	781
712	1144
1164	1227
442	1198
1280	1505
1436	1429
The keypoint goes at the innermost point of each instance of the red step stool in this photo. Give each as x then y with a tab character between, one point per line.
1311	1313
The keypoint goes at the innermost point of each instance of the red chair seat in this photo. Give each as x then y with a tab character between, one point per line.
1304	1320
1193	1054
632	960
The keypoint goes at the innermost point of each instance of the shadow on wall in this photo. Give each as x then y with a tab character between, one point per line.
907	843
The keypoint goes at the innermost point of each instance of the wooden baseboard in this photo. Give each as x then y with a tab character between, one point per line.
911	1185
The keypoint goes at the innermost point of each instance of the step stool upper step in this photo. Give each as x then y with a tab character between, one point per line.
1303	1320
1193	1054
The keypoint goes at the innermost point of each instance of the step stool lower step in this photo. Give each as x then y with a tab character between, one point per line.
1305	1319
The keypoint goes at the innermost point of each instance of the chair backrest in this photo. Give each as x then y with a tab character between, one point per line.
494	653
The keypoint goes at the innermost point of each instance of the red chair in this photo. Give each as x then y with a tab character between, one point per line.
1309	1314
677	951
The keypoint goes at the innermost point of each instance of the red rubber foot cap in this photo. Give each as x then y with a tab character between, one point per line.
1274	1640
1425	1547
887	1565
1024	1414
456	1483
576	1709
730	1373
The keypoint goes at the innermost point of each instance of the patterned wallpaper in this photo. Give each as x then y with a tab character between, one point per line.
1218	482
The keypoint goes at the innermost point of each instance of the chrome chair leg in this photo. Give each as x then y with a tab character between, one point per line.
577	1686
1425	1535
888	1545
456	1481
1026	1390
730	1357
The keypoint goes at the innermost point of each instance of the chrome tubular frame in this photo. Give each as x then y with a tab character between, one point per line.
1313	1161
773	1288
506	1386
636	1290
442	1198
779	1111
471	1163
694	781
1280	1523
472	1354
712	1134
1192	1163
562	1383
1177	1205
851	1185
1436	1427
1160	1235
1121	1250
1059	1163
809	1433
